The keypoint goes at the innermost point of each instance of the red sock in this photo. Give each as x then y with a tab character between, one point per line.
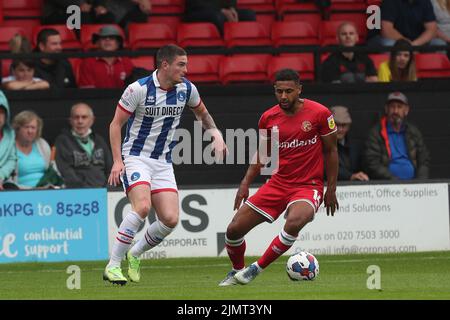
236	254
276	249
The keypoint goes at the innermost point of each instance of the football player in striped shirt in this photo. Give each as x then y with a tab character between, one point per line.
152	107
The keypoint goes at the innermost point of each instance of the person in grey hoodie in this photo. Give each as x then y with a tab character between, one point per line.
8	157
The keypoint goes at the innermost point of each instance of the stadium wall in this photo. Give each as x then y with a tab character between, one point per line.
81	224
240	106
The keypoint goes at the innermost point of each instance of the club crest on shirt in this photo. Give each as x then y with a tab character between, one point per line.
135	176
181	96
306	126
331	123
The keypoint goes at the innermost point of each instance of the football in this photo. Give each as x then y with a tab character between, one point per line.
302	266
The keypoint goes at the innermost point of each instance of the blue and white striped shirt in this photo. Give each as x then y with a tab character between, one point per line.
155	115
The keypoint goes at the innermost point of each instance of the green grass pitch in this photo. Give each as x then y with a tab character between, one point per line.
403	276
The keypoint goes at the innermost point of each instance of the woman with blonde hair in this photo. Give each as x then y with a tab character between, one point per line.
33	152
401	65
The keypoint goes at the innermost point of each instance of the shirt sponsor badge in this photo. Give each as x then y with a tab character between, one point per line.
331	123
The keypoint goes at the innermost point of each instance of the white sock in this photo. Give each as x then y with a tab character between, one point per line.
154	235
125	235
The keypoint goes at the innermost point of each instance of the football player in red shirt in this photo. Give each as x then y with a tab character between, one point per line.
306	137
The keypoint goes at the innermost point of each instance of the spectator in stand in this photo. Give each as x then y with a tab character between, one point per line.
349	151
412	20
19	44
105	72
22	77
55	11
83	157
34	166
395	148
98	11
56	71
442	12
8	157
322	5
122	11
217	12
348	67
401	65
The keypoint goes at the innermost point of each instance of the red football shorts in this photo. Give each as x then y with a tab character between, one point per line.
271	200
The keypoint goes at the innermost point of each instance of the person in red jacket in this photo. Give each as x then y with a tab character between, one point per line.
105	72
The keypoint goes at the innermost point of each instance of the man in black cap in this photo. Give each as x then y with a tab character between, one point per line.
348	150
106	72
395	148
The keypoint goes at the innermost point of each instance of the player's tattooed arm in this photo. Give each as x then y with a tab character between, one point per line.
202	114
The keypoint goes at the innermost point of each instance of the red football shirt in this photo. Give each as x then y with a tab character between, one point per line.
97	73
300	144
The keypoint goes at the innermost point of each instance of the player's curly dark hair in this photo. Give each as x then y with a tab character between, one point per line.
287	75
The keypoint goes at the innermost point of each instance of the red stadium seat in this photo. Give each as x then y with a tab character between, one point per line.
303	63
150	35
171	21
432	65
26	24
348	5
379	58
22	8
244	68
293	6
146	62
6	65
168	7
313	19
374	2
328	31
201	34
257	5
89	29
246	33
324	56
358	18
285	33
204	68
68	37
266	20
75	63
6	33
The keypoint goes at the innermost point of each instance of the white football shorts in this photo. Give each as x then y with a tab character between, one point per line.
155	173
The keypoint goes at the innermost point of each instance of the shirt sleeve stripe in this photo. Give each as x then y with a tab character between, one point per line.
324	135
121	107
197	105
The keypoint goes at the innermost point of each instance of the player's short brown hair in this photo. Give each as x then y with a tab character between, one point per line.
287	75
169	53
